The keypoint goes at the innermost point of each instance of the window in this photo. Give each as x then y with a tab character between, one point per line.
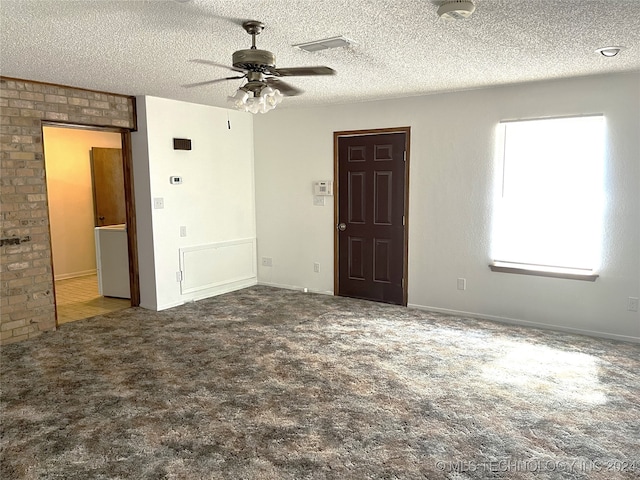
548	215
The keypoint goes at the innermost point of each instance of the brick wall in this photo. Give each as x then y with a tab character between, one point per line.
26	277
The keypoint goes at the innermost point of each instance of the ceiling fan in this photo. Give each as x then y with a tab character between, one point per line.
263	89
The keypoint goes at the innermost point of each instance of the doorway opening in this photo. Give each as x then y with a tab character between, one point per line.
371	214
72	176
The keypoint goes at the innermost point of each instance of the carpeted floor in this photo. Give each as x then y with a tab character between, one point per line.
275	384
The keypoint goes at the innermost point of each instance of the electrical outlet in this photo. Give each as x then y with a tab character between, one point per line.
462	284
632	306
316	267
183	231
267	261
158	202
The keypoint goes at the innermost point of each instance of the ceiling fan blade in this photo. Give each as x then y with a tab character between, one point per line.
214	64
285	89
209	82
303	71
235	20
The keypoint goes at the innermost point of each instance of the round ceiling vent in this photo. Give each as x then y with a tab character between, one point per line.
456	9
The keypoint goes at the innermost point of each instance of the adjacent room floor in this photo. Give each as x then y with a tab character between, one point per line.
78	298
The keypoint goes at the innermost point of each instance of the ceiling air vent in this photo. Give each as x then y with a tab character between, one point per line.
316	45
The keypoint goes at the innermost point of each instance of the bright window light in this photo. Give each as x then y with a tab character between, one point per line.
550	205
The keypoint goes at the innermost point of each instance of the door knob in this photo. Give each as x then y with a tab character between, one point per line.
342	227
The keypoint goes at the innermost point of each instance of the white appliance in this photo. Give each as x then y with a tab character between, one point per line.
112	261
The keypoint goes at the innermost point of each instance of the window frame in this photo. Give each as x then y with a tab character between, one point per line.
514	267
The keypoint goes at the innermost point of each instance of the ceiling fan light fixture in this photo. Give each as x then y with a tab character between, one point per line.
610	51
272	97
456	9
254	104
262	89
239	99
261	101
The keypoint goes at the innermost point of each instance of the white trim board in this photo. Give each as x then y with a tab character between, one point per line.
203	294
67	276
294	287
526	323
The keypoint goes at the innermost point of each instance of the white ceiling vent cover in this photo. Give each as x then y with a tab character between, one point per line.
317	45
456	9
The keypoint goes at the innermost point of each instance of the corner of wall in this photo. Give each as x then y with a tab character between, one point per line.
144	223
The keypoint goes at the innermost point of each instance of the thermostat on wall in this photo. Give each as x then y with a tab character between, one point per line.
323	187
175	180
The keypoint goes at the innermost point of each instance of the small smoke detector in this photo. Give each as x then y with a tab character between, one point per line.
456	9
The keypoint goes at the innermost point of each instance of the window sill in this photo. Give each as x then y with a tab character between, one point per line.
540	271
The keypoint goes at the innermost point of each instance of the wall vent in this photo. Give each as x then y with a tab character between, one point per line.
182	144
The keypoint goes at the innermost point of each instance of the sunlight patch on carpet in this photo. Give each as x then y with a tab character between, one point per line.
543	370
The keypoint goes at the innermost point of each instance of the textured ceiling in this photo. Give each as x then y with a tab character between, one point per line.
401	48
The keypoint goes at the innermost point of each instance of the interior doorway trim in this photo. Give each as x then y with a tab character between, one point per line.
132	236
336	213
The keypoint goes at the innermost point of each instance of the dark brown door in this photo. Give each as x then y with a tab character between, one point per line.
371	226
108	186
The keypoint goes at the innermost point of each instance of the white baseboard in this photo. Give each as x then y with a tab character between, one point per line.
295	287
208	293
67	276
527	323
226	288
506	320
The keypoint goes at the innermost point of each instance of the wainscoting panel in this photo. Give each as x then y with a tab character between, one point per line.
215	264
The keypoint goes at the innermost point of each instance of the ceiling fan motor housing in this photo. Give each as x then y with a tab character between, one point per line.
253	59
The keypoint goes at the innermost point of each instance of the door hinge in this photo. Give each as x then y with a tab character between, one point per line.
404	156
402	283
179	277
403	220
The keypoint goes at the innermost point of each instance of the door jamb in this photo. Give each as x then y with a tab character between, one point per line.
336	203
132	235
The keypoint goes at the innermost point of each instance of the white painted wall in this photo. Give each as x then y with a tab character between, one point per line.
215	202
452	181
67	153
